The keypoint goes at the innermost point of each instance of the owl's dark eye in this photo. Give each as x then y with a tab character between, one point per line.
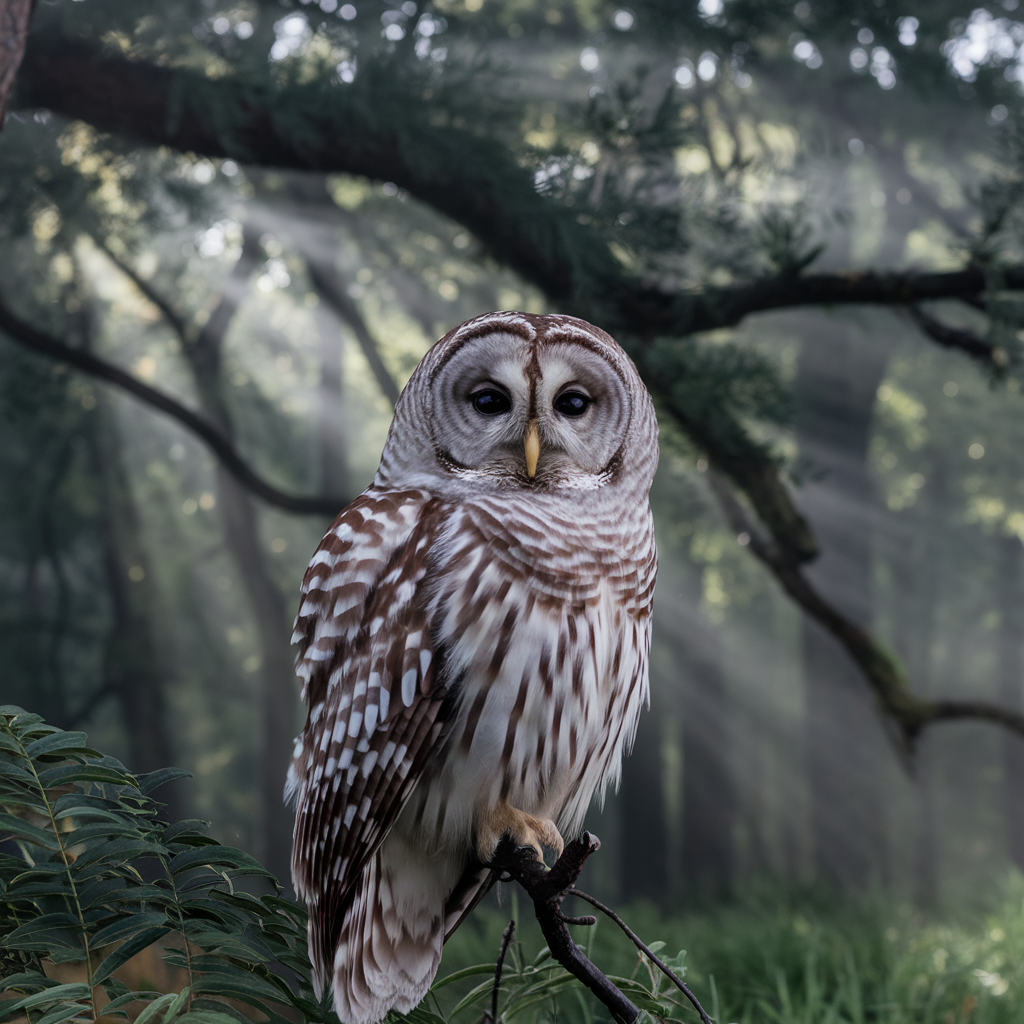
490	402
572	403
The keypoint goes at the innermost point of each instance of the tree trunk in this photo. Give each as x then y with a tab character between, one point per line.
643	855
132	665
709	798
334	477
924	580
279	695
838	374
1010	595
14	18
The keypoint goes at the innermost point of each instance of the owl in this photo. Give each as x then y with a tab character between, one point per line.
473	632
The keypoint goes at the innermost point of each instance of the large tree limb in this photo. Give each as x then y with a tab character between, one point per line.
367	129
29	337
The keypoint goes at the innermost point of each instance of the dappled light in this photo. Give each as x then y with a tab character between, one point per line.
230	232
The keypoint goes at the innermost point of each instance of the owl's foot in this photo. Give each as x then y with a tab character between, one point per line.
522	828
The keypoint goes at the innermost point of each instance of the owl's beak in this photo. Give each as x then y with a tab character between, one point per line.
532	449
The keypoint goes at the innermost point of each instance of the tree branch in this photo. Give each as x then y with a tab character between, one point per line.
177	323
328	283
883	674
959	338
29	337
369	129
547	889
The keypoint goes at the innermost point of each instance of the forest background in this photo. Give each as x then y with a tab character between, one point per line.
229	231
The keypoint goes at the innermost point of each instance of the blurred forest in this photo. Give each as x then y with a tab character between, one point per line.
229	229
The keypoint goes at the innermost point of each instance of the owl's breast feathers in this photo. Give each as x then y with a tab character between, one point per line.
410	609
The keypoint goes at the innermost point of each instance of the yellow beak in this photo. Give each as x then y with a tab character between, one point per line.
532	449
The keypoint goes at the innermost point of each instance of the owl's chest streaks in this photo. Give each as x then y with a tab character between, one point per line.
546	648
562	553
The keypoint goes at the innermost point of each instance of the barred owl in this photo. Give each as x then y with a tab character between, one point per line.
473	636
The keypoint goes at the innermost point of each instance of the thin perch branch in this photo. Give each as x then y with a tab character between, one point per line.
638	942
547	889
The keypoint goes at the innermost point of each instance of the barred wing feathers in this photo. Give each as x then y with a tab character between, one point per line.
375	692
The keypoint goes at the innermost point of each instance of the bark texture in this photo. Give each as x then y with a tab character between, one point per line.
14	18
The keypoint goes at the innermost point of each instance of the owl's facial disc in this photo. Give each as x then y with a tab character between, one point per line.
550	414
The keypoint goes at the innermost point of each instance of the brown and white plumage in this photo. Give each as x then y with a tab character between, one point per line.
474	634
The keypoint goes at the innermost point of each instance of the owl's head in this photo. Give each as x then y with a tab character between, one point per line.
522	400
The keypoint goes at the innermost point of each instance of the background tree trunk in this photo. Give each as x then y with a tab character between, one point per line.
709	798
838	374
278	691
14	18
643	863
334	476
1010	595
132	665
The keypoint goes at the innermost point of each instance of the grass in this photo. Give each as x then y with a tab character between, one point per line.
780	964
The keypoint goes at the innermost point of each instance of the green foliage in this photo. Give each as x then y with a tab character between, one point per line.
90	875
719	387
98	877
533	985
805	962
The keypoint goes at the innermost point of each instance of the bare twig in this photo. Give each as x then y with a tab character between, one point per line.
176	322
506	940
547	889
638	942
29	337
958	338
328	283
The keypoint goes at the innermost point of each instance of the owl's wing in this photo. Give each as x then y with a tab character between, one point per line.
374	688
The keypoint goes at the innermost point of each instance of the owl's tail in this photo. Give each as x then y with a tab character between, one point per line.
389	945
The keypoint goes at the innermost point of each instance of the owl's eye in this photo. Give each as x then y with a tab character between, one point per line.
572	403
490	402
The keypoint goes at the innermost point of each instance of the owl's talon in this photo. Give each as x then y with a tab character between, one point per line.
522	828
